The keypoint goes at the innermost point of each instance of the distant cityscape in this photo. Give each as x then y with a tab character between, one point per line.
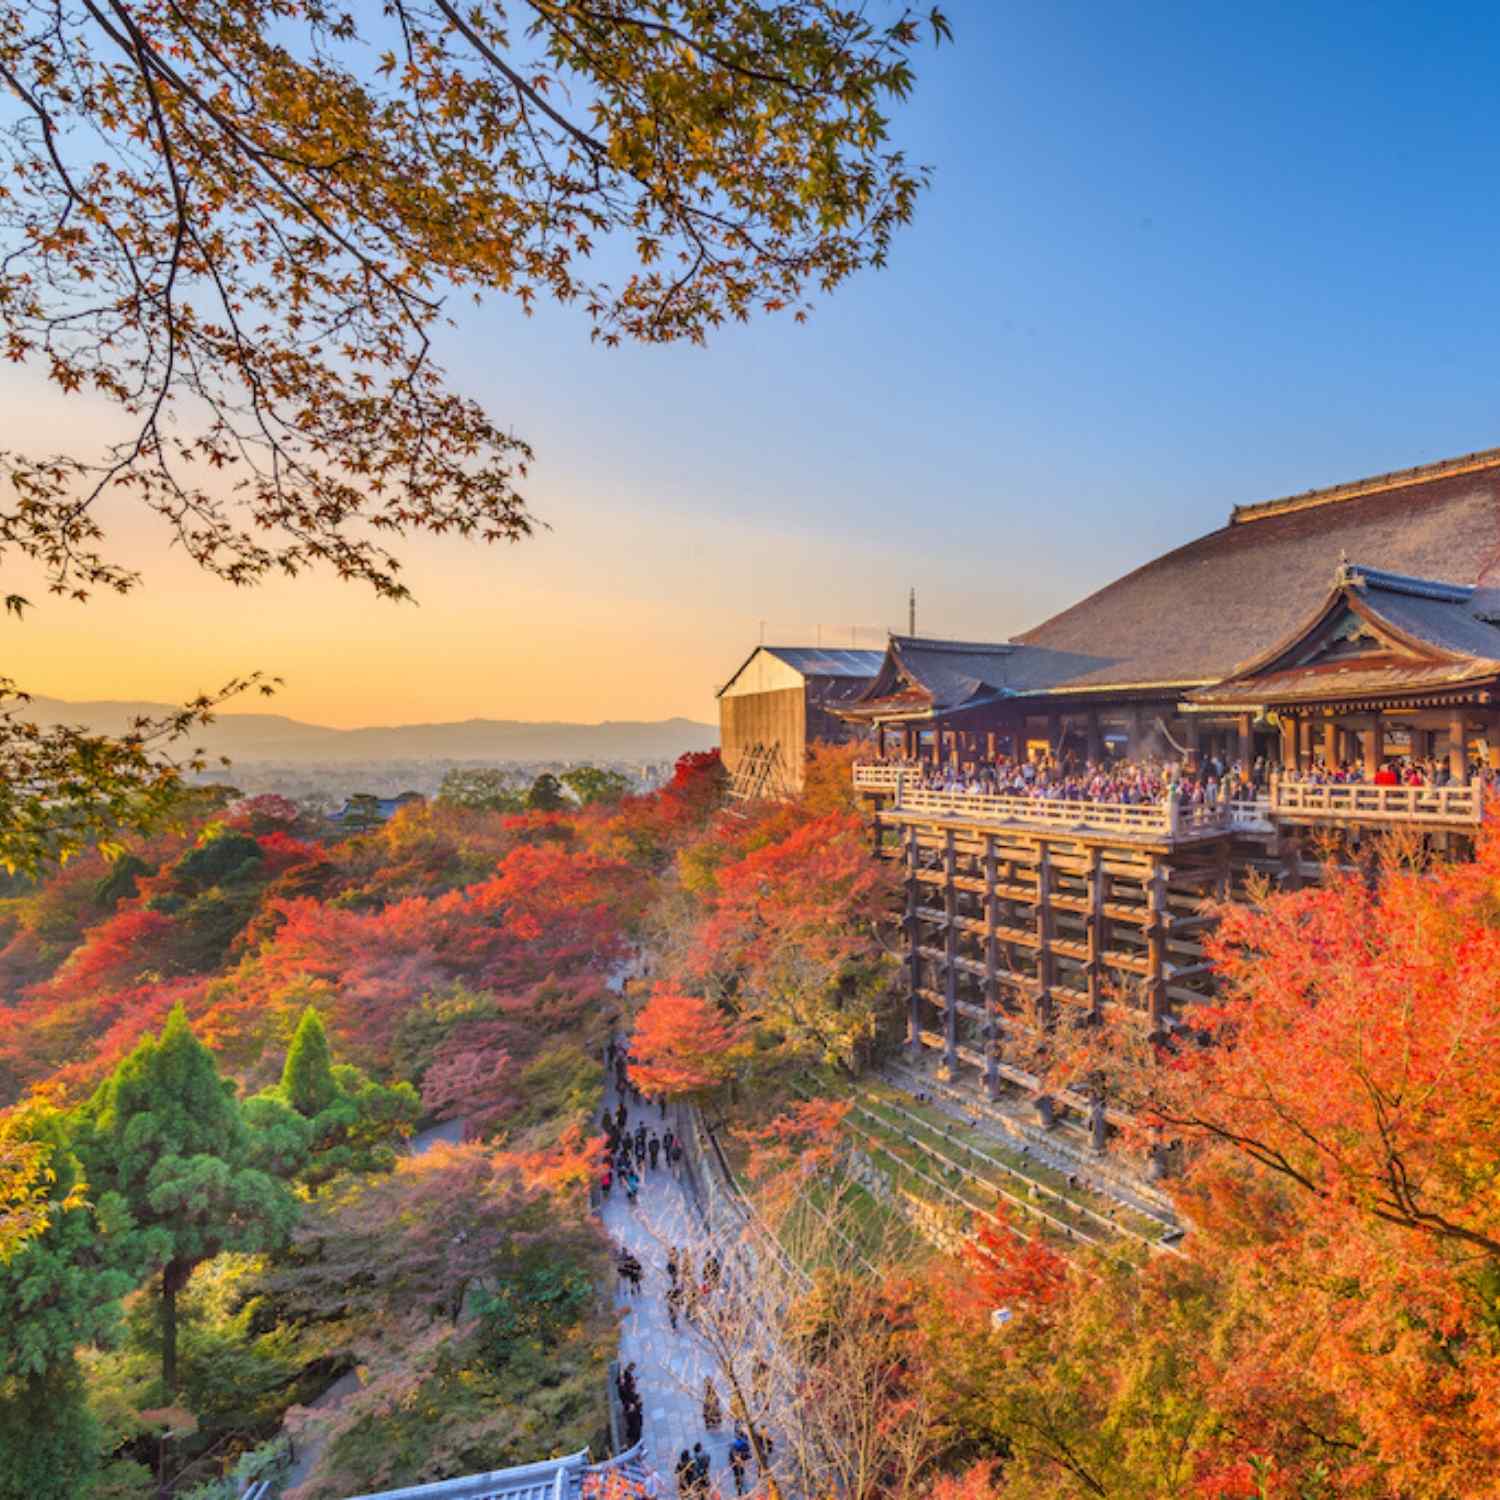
321	767
325	786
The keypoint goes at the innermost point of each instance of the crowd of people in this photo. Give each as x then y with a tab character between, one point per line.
1069	778
1193	780
630	1153
1405	771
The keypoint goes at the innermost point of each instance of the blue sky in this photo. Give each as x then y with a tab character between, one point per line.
1175	258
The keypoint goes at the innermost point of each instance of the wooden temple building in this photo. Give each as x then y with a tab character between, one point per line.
1350	626
781	700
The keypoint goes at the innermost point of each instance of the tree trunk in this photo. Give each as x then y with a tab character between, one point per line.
173	1279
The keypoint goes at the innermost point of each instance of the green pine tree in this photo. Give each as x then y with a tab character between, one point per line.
307	1075
166	1134
324	1119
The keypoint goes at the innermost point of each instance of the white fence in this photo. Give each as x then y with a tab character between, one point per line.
1169	818
1383	804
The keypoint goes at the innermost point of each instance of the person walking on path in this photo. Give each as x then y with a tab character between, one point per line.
739	1453
653	1150
685	1475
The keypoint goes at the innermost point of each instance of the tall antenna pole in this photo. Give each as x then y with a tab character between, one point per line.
911	613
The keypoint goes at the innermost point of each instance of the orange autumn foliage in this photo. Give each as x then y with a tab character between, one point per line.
682	1044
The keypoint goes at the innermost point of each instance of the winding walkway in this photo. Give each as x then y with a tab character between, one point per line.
670	1367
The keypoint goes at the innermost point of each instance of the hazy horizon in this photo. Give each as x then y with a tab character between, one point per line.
251	705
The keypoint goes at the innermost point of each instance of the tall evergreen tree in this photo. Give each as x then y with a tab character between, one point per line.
307	1075
323	1119
166	1134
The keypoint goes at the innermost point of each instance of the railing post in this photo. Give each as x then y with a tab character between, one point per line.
1172	811
900	784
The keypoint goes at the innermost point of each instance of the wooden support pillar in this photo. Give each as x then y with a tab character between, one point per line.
1458	746
1045	917
1098	894
1095	746
989	744
1304	743
1156	944
1288	743
913	958
1193	739
1374	745
1136	745
935	750
1330	744
1244	742
991	972
950	954
1054	737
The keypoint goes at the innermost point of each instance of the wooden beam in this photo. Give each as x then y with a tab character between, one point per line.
913	958
1374	745
1095	747
1458	746
1045	965
1156	946
950	967
991	970
1098	895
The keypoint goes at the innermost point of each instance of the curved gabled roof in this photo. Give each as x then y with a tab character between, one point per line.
1193	614
921	674
1376	634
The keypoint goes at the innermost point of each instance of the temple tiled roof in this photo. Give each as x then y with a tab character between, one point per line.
1190	616
919	674
1374	634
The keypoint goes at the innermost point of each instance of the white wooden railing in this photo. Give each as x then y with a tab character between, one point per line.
1113	817
1163	818
1384	804
1169	818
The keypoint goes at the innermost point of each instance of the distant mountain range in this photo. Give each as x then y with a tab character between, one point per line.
274	737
